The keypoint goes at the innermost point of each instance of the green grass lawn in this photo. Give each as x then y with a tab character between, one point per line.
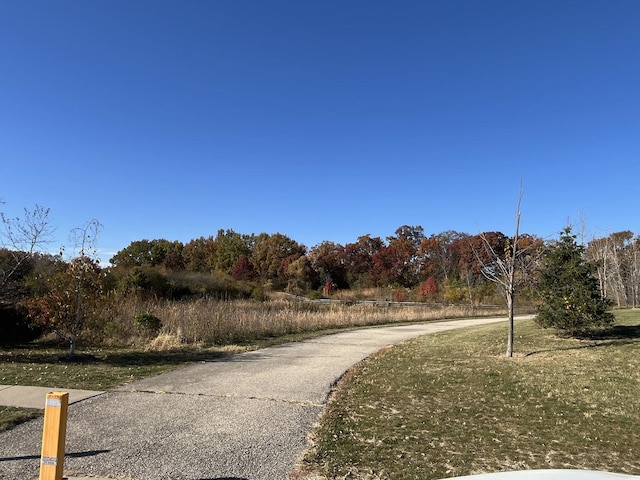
451	404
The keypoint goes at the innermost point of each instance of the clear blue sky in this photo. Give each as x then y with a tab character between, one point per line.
321	120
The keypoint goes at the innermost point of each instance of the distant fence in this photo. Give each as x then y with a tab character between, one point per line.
480	309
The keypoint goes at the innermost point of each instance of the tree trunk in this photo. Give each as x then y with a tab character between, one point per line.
503	270
471	302
72	345
510	302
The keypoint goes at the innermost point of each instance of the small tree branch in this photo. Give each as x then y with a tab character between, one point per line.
22	237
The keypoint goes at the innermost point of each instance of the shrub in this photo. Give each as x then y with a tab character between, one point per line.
259	294
148	322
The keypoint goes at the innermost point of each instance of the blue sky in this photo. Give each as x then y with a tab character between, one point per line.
321	120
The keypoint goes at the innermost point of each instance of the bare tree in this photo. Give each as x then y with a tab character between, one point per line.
634	271
509	269
597	252
21	238
616	257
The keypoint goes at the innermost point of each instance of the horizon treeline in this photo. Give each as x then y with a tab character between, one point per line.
442	267
446	266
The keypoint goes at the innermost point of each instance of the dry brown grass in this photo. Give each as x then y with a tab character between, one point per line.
364	294
214	322
451	404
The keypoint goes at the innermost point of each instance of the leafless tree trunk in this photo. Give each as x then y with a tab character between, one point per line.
621	259
634	271
618	266
618	282
596	251
470	285
630	260
502	269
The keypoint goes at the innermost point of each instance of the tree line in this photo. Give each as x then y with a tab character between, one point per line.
448	267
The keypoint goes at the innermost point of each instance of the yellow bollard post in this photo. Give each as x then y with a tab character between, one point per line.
53	436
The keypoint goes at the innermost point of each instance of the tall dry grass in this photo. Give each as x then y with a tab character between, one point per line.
214	322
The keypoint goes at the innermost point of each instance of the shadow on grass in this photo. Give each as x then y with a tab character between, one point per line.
619	332
47	353
11	417
41	355
173	357
618	335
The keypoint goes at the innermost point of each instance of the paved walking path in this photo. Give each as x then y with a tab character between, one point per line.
243	417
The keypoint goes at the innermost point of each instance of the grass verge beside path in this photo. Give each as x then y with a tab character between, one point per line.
10	417
92	369
451	404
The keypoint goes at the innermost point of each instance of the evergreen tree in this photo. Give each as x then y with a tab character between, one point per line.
571	299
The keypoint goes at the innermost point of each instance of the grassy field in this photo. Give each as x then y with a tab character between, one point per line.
206	321
451	404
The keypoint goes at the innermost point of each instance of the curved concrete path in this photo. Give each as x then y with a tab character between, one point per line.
244	417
